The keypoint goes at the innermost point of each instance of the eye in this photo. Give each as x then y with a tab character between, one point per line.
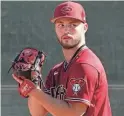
74	24
60	25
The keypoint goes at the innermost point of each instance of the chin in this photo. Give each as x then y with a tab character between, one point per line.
68	46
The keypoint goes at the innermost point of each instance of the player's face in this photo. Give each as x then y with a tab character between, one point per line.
70	32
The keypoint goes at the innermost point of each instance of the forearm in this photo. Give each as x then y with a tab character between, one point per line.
35	108
55	106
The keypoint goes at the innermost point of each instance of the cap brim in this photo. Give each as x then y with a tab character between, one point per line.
54	19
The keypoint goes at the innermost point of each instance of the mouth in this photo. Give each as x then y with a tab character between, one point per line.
66	37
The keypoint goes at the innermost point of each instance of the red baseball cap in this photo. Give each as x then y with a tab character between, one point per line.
70	10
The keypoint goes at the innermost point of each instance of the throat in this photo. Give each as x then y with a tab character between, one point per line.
70	58
72	53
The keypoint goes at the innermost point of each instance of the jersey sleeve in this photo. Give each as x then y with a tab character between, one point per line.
81	84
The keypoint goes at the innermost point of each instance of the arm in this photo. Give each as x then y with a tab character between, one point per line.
54	106
70	107
58	107
35	108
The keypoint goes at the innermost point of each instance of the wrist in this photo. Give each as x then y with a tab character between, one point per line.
35	91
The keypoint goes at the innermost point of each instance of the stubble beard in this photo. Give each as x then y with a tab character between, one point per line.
69	46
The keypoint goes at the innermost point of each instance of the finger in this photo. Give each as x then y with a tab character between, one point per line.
17	79
34	74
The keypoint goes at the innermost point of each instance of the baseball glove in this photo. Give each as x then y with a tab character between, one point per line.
28	64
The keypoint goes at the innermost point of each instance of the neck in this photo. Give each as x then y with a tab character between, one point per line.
68	53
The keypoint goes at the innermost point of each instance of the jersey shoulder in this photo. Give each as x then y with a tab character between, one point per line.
89	57
57	66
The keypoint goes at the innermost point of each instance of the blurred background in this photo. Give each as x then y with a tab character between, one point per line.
27	24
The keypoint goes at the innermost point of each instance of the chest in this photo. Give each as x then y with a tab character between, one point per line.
60	83
61	77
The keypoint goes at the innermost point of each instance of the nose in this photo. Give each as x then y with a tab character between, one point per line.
67	29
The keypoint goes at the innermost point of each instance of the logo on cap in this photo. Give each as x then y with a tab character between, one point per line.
66	9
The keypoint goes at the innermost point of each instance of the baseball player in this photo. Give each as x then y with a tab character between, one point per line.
78	85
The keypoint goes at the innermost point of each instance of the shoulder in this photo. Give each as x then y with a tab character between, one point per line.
87	54
56	67
84	68
89	57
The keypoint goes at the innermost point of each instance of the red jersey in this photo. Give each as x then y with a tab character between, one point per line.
84	80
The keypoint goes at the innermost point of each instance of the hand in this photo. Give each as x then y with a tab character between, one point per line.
28	64
25	85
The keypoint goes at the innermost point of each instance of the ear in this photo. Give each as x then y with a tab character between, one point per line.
85	27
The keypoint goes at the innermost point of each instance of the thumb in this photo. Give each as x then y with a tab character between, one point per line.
20	81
